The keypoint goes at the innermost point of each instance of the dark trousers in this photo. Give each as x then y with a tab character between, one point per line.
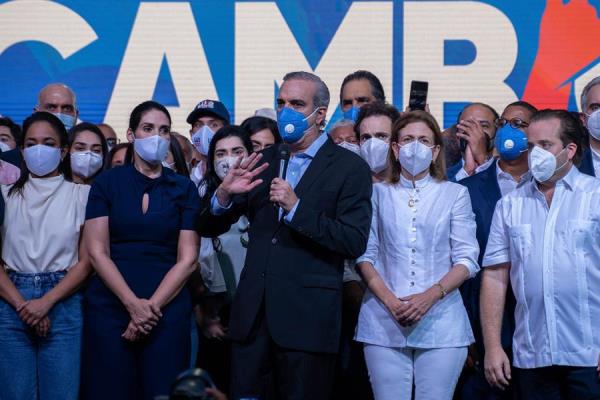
559	383
261	369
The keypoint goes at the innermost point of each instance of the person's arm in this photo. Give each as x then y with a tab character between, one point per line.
376	285
494	283
464	253
36	309
144	313
365	265
348	232
176	278
222	209
8	290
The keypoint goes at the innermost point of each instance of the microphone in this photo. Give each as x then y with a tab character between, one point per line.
284	157
283	154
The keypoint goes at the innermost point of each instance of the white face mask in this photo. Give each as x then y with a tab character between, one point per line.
415	157
542	163
350	146
201	139
593	124
41	160
152	149
85	163
196	174
4	147
223	165
167	165
375	152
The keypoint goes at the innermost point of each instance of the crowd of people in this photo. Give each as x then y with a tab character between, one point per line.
375	257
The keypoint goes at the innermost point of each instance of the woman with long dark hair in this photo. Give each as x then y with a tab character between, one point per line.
87	152
221	257
40	309
141	235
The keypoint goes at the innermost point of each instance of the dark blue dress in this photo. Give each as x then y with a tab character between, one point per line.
144	249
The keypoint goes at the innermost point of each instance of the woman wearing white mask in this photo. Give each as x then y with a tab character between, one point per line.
141	233
40	309
87	152
375	121
221	257
421	248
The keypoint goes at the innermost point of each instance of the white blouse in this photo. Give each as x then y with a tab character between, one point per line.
417	235
41	228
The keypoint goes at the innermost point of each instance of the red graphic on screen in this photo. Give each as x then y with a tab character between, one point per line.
568	43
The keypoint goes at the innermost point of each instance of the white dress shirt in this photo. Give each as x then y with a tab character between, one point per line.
555	270
596	162
506	182
41	228
462	174
412	248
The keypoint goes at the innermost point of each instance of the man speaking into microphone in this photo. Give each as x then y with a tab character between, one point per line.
304	221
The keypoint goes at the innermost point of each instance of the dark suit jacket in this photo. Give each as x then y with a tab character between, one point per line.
453	170
485	193
587	163
297	267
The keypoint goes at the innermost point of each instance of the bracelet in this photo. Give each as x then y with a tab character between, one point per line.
442	289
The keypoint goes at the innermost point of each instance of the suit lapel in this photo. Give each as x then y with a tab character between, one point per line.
321	161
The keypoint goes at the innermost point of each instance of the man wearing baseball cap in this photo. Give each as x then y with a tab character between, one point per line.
205	119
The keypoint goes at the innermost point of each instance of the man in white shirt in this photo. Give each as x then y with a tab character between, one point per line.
485	189
545	235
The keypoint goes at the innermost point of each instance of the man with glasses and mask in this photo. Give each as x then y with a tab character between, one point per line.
485	189
286	314
544	241
476	130
590	116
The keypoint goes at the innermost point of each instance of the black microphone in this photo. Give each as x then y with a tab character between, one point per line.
283	154
284	157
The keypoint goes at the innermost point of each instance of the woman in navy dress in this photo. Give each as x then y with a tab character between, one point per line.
141	232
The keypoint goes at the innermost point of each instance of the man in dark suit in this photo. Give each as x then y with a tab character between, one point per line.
590	103
286	314
485	189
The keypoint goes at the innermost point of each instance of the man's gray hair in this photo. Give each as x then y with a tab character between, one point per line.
321	98
586	90
62	85
340	124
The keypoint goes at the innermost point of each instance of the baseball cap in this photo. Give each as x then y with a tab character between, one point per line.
209	107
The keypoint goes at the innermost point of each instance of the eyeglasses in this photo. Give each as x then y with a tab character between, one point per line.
112	142
409	139
516	123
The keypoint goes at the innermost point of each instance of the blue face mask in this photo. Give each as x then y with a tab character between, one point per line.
67	120
510	142
352	114
292	124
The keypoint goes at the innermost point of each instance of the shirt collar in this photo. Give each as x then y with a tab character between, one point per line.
570	179
312	150
500	174
418	184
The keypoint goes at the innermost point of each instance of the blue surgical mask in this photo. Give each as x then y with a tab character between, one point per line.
510	142
292	124
67	120
352	114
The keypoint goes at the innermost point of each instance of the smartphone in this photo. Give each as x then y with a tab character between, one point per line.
418	95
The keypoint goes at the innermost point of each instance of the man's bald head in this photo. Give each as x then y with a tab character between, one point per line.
57	98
